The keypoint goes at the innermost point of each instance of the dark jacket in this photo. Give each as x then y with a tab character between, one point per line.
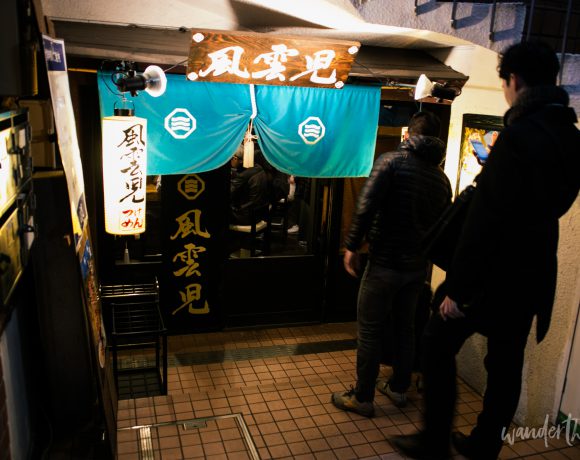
404	195
248	192
505	262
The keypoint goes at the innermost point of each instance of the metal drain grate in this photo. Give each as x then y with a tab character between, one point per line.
145	444
148	435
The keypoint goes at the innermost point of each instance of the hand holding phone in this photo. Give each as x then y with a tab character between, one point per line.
480	150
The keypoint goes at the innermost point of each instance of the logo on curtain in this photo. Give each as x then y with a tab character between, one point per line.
311	130
180	123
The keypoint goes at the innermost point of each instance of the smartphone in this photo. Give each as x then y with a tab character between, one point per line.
479	149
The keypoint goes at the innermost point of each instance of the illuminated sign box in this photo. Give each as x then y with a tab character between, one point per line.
124	174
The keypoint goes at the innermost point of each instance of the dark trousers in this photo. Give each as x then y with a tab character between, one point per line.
442	340
386	294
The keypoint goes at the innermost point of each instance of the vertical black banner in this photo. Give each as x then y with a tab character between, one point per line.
194	216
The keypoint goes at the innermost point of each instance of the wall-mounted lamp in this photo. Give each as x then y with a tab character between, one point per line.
125	152
153	81
426	88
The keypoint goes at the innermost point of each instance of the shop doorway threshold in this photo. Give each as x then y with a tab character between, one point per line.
239	354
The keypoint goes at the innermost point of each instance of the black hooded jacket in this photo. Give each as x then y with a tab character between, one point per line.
505	263
248	190
403	197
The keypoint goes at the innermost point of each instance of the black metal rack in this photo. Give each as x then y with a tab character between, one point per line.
137	324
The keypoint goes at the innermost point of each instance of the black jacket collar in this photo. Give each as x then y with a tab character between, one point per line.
535	98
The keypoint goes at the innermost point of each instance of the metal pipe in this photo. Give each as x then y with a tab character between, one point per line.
565	41
530	18
453	11
492	22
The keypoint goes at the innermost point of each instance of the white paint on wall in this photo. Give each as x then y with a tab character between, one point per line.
571	79
570	404
545	365
210	14
473	20
204	14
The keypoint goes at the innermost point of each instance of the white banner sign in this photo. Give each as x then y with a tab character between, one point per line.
66	130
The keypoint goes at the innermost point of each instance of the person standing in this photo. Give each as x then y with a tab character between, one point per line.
504	268
405	194
249	190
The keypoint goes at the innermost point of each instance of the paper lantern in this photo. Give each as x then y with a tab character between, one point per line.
124	174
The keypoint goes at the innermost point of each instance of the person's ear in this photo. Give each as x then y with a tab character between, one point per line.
517	82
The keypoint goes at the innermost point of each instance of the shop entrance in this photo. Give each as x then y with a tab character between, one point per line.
277	276
287	269
296	278
273	275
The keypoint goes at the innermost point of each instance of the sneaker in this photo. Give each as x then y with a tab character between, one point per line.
293	229
347	401
399	399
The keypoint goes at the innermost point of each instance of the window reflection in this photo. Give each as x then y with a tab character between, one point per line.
270	211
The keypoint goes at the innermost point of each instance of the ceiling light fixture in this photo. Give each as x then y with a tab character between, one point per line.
426	88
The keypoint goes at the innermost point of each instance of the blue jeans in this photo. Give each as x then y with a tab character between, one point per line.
386	295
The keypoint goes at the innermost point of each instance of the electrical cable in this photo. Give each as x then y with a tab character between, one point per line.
175	65
116	93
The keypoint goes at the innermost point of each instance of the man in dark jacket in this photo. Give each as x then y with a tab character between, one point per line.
404	195
249	190
504	268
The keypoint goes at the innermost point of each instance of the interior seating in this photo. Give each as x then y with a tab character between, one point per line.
257	232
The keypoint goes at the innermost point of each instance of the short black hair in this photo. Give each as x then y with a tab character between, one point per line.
239	153
535	62
425	123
